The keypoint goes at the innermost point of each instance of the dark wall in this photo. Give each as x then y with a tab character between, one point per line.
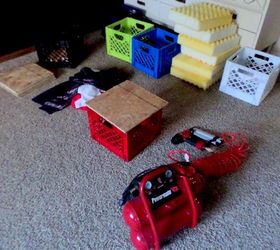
20	26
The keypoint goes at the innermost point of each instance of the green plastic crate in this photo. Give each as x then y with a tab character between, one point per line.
119	37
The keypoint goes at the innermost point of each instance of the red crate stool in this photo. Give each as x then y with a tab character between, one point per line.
125	119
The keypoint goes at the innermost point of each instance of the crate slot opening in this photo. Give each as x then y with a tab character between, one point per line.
244	72
141	3
262	57
140	26
117	27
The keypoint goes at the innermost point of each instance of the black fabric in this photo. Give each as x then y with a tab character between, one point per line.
60	96
104	79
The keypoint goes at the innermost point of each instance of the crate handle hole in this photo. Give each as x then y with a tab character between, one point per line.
234	58
169	38
119	37
244	72
181	1
141	3
144	49
140	26
117	27
265	58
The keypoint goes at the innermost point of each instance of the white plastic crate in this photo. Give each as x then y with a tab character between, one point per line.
250	75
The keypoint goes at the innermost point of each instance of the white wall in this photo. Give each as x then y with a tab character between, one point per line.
276	48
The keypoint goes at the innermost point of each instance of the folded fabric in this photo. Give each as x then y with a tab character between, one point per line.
60	96
87	92
102	79
76	98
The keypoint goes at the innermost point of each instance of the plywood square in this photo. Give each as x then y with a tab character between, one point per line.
126	105
24	79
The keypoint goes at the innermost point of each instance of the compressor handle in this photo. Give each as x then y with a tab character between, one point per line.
145	201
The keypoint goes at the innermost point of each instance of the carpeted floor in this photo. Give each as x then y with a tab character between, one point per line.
59	189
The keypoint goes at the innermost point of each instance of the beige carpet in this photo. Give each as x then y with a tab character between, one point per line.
59	189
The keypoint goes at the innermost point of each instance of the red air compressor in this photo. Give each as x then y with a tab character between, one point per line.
161	201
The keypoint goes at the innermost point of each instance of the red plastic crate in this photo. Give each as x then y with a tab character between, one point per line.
125	145
125	119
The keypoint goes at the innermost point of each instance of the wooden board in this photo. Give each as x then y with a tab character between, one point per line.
144	94
126	105
24	79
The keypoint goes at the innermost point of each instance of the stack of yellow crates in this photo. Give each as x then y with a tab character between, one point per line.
208	36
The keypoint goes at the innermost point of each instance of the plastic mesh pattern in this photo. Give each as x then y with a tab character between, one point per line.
120	46
125	145
153	52
249	86
106	134
266	68
250	75
119	37
60	50
147	60
109	136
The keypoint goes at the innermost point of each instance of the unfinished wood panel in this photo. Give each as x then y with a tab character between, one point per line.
126	105
144	94
24	79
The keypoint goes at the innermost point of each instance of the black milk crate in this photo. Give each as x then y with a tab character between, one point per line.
60	49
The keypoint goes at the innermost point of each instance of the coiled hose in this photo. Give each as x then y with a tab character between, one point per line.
228	161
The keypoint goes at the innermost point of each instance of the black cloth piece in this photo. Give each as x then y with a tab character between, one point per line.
60	96
104	79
